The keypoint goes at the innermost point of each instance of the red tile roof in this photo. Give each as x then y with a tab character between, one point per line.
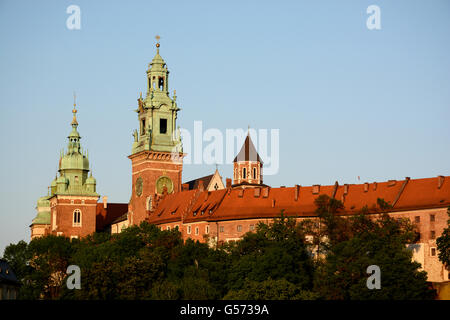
172	207
250	203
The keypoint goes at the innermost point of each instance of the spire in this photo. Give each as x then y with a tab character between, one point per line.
74	136
157	43
248	151
74	111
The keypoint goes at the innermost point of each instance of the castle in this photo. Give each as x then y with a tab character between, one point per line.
205	209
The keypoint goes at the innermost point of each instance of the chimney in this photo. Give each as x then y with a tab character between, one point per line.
440	181
297	190
316	189
374	186
185	187
257	192
201	187
228	183
265	192
346	189
366	186
105	202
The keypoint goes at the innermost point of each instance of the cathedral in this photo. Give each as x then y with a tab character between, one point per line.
206	209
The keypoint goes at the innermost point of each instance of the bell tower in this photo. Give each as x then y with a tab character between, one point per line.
157	152
247	171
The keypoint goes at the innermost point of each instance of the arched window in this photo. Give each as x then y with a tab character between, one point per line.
77	218
244	173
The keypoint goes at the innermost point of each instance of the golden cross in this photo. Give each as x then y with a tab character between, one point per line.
157	38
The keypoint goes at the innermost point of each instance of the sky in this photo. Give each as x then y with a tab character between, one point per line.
347	101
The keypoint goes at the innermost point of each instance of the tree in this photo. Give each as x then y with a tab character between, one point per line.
276	251
18	257
380	242
443	244
270	289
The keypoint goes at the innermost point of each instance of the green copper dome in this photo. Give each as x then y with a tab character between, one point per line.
74	161
74	167
43	202
43	217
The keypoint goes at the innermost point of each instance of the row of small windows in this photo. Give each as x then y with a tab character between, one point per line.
201	212
162	126
244	173
153	84
432	218
239	228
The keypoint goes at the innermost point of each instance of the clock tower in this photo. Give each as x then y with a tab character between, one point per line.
157	152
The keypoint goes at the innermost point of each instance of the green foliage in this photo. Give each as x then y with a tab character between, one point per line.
270	290
273	263
381	242
443	244
276	251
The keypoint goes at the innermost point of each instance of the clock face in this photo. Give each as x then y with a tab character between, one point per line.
164	182
138	186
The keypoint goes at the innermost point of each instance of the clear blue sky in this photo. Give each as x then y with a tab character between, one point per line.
348	101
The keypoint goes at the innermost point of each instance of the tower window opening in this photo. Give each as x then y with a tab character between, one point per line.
244	173
161	83
163	126
142	126
77	218
254	173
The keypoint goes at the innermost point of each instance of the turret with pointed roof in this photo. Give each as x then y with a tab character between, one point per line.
247	166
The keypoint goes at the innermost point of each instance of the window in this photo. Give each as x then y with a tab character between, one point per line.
432	234
222	229
196	230
189	229
161	83
73	237
168	228
207	229
417	219
252	227
239	228
77	218
203	212
163	126
433	252
254	173
244	173
432	218
142	126
216	186
176	227
195	213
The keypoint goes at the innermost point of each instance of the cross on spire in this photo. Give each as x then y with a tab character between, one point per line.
74	111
